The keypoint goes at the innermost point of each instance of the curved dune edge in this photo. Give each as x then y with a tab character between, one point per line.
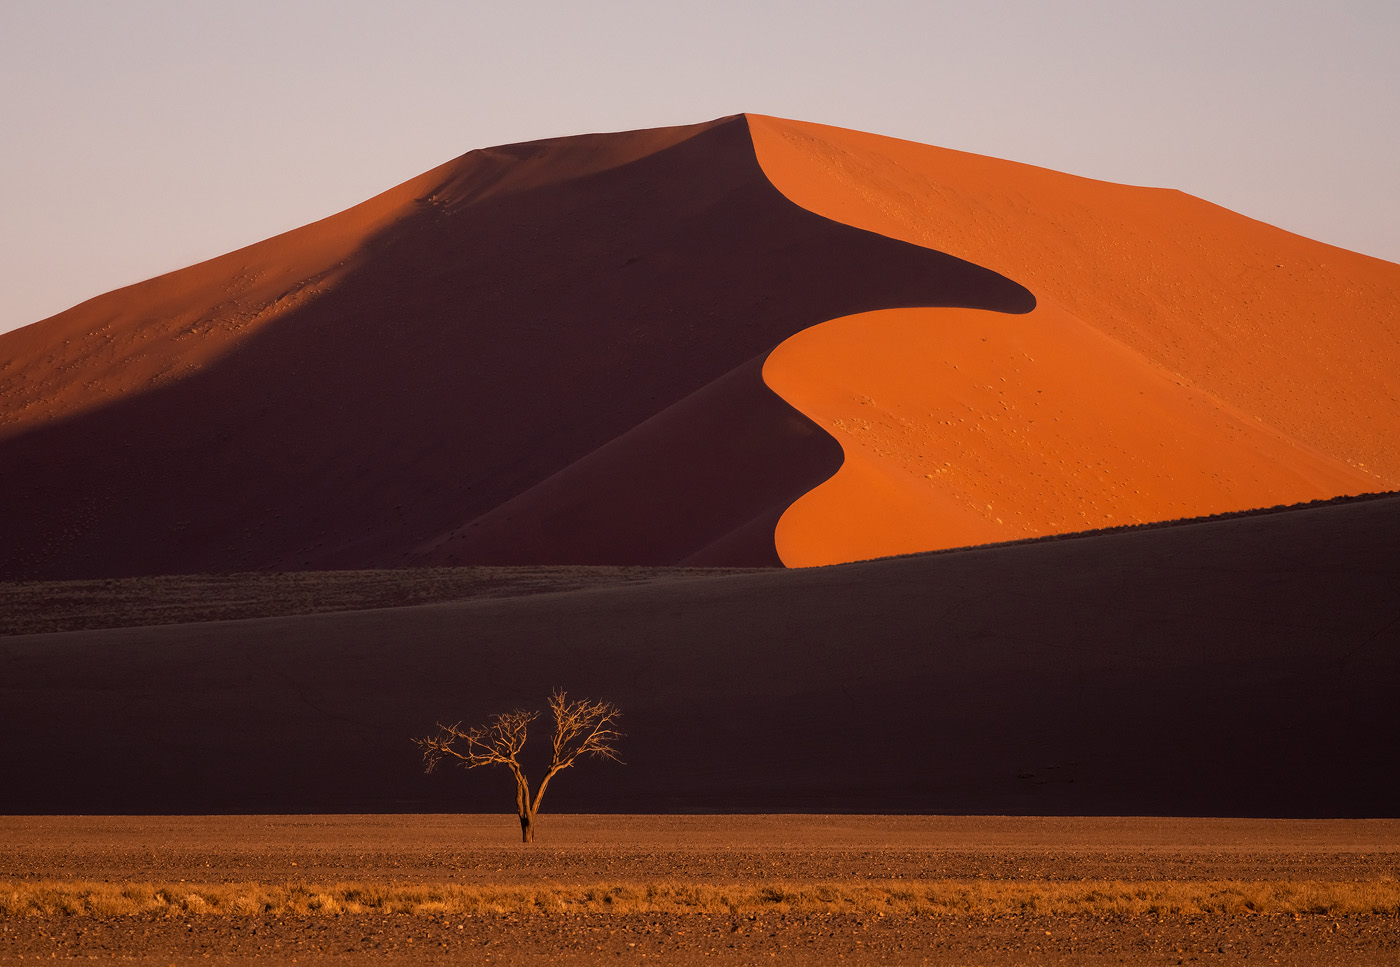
965	427
495	369
1259	388
672	478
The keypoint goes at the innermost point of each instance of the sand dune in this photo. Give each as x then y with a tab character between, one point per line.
961	427
671	480
747	342
1181	360
376	389
567	352
1244	666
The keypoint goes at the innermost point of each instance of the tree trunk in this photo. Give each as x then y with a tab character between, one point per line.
527	828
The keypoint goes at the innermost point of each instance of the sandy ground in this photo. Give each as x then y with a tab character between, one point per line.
706	849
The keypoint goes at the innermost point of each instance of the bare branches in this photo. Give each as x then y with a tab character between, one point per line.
498	742
581	728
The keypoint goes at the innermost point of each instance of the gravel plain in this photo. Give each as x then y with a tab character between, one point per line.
788	850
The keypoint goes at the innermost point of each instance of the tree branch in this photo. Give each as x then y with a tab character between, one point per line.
498	742
580	728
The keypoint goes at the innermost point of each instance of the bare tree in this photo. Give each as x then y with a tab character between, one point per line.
581	728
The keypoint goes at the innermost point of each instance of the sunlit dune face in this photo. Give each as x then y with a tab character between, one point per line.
963	427
1182	359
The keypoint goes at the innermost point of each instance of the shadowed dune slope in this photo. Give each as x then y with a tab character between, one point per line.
358	393
662	478
1182	359
1244	666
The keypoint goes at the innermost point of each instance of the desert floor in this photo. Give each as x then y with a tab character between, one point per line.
761	889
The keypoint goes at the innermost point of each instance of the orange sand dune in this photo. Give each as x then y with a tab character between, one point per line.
560	352
1198	361
988	427
356	392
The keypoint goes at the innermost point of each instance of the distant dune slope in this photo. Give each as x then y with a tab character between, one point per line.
1245	666
416	379
1182	359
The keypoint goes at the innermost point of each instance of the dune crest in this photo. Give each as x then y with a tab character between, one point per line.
1269	363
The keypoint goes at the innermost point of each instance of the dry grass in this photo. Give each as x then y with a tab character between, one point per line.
54	898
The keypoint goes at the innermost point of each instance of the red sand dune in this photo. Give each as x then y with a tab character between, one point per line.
495	362
1181	359
1245	666
559	352
964	427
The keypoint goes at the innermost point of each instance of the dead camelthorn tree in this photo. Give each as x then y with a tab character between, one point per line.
580	728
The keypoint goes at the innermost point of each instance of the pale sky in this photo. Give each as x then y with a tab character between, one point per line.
140	136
